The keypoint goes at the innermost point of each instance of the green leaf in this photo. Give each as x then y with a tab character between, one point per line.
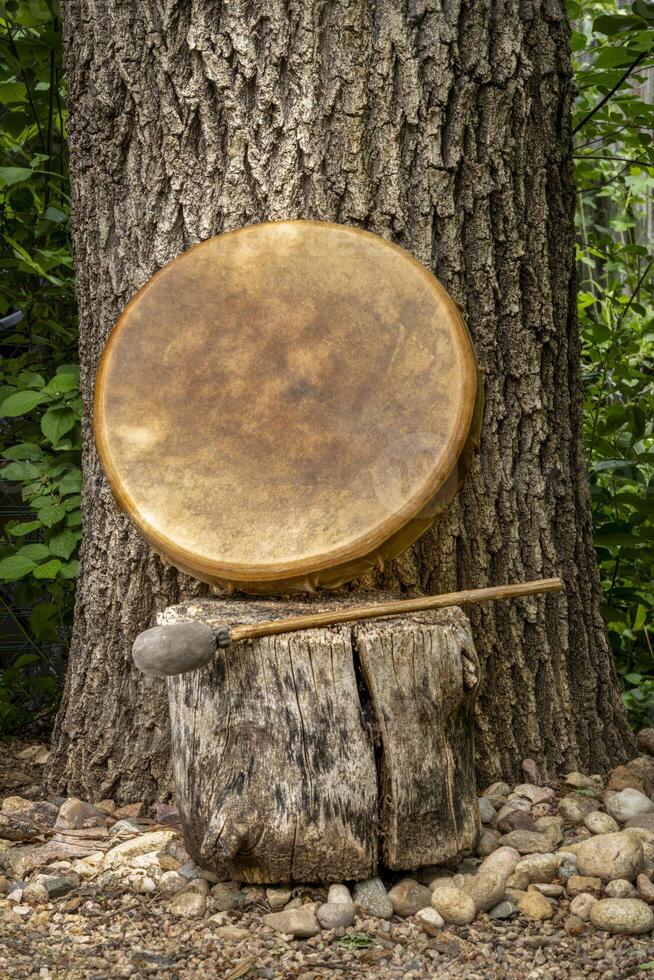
43	621
63	543
14	175
57	421
24	450
35	552
18	530
15	567
20	472
61	383
70	569
51	514
20	403
47	571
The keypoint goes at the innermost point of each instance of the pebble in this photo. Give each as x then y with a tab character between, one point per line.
532	772
336	915
233	934
624	778
627	804
620	888
575	926
579	781
600	823
430	920
573	808
527	842
227	896
488	842
299	923
74	814
624	915
486	889
536	794
278	897
534	905
188	905
609	856
172	882
644	822
550	889
645	888
579	884
339	893
505	910
497	789
539	867
519	881
454	905
124	853
57	885
370	898
515	820
551	826
408	897
645	740
503	860
582	904
486	810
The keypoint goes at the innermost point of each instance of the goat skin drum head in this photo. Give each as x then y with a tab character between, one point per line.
287	406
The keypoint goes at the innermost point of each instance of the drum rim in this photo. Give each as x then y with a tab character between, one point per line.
370	542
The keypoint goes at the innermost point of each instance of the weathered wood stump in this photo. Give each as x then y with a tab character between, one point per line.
318	755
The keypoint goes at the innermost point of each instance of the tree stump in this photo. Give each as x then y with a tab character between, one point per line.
319	755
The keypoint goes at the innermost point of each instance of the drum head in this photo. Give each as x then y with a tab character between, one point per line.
286	405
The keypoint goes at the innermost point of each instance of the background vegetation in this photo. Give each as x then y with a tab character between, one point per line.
40	406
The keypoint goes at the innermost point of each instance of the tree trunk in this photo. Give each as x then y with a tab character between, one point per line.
444	126
274	744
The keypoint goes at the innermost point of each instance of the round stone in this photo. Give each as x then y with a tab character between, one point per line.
622	915
453	905
582	904
600	823
619	888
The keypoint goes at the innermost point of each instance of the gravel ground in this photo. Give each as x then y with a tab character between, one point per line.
105	932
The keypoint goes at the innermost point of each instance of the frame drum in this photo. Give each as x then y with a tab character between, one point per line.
286	406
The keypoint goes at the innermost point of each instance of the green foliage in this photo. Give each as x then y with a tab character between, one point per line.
614	160
40	405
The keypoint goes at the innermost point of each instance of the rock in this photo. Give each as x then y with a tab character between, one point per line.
518	881
503	860
144	886
21	860
13	804
199	885
600	823
486	810
233	934
528	842
583	884
577	780
370	898
75	814
227	896
643	766
645	740
534	905
648	857
575	926
627	804
505	910
339	893
300	923
442	880
514	820
487	843
188	904
408	897
609	856
536	794
550	826
539	867
582	904
129	810
430	920
623	915
278	898
486	889
469	866
123	854
58	885
168	815
573	808
620	888
172	882
532	772
336	915
550	889
520	803
454	905
644	822
174	648
497	789
645	888
125	827
35	894
622	778
41	813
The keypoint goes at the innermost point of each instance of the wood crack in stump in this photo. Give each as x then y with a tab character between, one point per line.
316	756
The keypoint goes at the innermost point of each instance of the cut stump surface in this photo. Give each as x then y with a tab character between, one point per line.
322	754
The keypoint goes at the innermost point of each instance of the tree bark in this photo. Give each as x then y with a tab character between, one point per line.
274	744
444	125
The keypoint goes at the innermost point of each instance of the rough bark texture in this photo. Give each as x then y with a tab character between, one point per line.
274	745
443	125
